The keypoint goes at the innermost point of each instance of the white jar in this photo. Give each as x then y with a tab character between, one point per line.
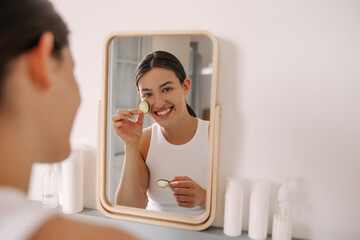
259	210
233	207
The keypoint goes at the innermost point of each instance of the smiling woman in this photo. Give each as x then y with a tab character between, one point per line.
175	147
172	141
164	60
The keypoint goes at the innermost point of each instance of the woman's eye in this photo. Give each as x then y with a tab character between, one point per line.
146	95
167	89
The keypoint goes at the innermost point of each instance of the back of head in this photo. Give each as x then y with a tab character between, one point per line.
22	22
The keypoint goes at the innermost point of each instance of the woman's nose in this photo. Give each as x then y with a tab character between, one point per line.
159	101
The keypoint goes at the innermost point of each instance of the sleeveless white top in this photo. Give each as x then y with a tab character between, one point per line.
19	217
166	161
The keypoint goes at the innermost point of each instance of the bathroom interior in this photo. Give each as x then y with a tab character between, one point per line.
286	79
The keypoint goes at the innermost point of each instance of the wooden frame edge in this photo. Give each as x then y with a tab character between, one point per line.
102	128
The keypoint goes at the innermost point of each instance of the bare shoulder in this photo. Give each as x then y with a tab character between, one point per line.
145	142
63	228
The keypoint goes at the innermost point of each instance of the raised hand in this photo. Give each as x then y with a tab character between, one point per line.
127	130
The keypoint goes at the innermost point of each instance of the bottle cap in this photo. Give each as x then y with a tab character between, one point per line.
76	155
260	190
234	185
284	193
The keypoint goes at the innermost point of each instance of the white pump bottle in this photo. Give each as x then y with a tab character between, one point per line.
282	223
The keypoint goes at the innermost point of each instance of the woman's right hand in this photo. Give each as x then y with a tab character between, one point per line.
127	130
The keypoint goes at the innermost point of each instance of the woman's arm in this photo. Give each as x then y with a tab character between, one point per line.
134	180
135	176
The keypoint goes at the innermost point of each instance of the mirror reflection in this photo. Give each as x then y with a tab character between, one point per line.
158	160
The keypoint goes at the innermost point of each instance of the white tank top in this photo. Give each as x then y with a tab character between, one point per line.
19	217
166	161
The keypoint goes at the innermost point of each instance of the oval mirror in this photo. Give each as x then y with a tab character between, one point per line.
174	180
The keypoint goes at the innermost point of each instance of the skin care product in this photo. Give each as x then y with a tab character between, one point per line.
233	207
282	223
259	210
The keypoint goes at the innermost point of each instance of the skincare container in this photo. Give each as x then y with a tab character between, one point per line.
282	223
259	210
73	183
50	196
233	207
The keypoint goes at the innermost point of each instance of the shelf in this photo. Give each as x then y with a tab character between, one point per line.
148	231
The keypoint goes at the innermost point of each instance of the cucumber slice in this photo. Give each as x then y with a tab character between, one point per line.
144	106
163	183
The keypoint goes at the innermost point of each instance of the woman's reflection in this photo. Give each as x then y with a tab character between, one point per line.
175	147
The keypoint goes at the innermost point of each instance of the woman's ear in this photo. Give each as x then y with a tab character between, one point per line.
40	60
187	86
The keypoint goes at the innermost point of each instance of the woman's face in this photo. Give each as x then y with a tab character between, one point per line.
165	94
63	104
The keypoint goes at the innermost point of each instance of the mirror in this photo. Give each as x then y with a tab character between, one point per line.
197	52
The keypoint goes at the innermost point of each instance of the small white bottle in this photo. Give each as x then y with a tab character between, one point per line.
233	207
73	183
282	223
259	210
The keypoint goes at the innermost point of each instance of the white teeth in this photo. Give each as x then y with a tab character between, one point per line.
164	112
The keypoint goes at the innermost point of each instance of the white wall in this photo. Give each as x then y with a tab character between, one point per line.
289	86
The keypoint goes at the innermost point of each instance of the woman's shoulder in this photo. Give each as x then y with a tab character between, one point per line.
202	121
60	227
205	125
19	217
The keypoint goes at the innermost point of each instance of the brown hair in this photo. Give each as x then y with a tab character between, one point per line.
165	60
22	22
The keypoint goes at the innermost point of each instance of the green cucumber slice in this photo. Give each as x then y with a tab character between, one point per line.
163	183
144	106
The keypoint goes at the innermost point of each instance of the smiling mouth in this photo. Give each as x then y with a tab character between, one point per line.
162	113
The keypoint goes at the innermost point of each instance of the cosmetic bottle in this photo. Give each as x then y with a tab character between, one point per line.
259	210
233	207
73	183
50	196
282	223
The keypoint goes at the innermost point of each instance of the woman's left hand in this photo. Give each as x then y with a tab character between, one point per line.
187	192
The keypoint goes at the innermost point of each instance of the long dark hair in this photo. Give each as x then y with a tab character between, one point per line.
165	60
22	22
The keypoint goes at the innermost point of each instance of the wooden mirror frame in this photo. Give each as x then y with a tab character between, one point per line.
145	216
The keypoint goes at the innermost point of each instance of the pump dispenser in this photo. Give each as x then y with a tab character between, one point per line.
259	210
282	223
